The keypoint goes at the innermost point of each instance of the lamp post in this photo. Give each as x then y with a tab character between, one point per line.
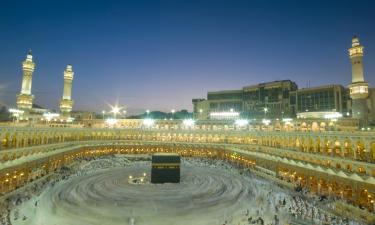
103	112
148	112
124	112
265	112
115	110
173	111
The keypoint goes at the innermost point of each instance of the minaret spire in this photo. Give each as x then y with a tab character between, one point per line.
25	98
358	87
66	103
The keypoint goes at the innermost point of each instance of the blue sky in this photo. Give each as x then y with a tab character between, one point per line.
161	54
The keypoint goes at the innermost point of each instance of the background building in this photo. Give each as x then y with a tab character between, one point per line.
329	98
269	99
225	101
201	108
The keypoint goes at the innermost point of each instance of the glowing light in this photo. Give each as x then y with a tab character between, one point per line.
334	115
16	111
49	116
224	115
111	121
115	109
287	120
319	114
148	122
266	122
241	122
188	122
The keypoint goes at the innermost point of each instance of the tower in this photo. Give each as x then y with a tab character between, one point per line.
358	87
25	98
66	103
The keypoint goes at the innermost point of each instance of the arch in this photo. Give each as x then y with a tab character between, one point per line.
315	127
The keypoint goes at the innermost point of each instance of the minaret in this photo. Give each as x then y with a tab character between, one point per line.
358	87
25	98
66	103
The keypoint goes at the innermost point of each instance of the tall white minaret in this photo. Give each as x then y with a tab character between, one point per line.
25	98
66	103
358	87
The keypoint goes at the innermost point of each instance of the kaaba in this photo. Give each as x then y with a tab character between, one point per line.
165	168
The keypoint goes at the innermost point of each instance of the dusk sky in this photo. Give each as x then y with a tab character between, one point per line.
159	55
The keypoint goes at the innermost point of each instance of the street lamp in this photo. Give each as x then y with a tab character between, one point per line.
265	111
148	122
173	111
124	112
115	110
200	113
16	113
148	112
188	122
103	112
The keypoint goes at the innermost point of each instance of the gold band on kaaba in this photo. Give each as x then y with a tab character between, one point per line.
165	168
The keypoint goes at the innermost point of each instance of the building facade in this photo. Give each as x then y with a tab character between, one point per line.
268	100
264	100
225	101
329	98
337	164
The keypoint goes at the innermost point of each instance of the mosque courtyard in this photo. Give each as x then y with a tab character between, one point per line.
117	190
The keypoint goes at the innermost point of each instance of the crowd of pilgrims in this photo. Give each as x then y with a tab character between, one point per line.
272	207
8	207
